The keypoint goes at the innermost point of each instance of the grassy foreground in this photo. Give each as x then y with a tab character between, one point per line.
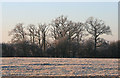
61	77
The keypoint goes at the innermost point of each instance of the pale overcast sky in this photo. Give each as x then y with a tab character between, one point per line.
44	12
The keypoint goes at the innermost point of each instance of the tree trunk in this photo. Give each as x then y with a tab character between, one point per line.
44	42
95	46
95	35
39	42
33	40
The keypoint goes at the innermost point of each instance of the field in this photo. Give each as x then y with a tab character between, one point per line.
59	67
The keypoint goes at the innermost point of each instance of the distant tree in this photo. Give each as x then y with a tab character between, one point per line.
59	27
43	29
7	50
68	37
59	31
38	34
113	49
96	28
77	32
88	48
18	33
32	32
63	29
21	49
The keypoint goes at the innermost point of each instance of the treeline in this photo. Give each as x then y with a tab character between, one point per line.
61	38
78	50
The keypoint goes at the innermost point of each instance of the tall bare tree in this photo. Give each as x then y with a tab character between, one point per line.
32	32
59	27
38	34
63	29
77	31
96	27
43	30
18	33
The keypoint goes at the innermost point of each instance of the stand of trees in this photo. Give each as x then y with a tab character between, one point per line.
61	38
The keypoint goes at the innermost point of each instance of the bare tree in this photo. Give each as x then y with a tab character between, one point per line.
43	30
32	32
96	28
67	36
38	34
68	31
59	27
62	27
77	32
18	33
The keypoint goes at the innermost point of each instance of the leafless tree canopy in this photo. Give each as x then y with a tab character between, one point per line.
61	38
18	33
62	28
96	27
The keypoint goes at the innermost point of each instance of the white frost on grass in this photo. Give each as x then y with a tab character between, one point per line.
59	66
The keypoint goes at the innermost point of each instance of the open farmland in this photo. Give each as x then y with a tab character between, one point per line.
59	67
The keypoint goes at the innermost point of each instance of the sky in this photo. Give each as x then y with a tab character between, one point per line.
45	12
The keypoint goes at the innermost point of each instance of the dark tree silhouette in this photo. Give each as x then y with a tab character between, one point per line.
43	29
65	32
38	34
32	32
18	33
61	38
96	27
